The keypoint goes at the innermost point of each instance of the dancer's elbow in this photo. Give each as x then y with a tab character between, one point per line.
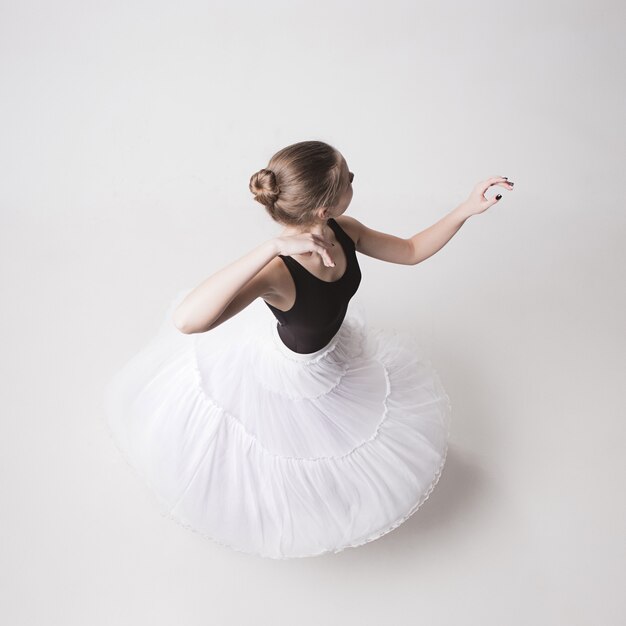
182	324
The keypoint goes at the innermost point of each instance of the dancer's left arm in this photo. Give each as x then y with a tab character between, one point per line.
424	244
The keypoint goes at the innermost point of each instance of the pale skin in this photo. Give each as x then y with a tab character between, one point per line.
262	274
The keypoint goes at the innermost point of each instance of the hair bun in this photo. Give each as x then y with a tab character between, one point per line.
264	187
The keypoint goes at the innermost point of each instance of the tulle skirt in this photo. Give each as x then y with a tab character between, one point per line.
276	453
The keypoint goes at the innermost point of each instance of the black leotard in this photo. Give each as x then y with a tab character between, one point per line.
320	306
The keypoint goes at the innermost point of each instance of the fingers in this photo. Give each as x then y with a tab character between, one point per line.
499	181
321	240
494	180
322	249
502	181
326	257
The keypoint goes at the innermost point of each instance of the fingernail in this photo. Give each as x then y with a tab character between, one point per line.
498	196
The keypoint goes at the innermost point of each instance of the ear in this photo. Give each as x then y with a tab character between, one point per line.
323	213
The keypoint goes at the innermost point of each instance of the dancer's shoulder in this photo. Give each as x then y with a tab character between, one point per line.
351	226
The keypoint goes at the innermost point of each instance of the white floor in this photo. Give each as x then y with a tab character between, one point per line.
125	180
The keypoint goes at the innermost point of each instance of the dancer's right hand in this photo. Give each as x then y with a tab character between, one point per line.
305	243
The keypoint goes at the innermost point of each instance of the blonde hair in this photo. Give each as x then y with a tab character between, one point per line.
298	180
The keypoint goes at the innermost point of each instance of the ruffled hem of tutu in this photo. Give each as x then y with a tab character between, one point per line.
372	537
355	544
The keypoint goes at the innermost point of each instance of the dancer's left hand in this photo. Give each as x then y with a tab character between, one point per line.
477	203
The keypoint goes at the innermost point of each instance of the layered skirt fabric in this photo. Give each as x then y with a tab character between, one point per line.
276	453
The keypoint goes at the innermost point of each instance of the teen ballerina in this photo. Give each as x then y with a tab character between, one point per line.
267	413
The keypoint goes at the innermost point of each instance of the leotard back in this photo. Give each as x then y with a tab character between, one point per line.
320	306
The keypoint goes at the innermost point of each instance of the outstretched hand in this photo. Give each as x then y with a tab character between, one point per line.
477	203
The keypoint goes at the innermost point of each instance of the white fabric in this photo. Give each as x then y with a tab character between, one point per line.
276	453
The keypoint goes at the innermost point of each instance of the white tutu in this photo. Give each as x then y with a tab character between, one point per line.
276	453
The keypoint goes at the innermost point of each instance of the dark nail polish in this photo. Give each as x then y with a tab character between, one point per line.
498	196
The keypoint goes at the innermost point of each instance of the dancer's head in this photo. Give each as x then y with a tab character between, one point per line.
304	184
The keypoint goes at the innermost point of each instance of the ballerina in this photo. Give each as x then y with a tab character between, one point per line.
302	432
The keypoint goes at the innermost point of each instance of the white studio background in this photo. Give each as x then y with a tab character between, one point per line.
129	131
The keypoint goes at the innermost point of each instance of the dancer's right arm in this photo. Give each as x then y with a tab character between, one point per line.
234	287
238	284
